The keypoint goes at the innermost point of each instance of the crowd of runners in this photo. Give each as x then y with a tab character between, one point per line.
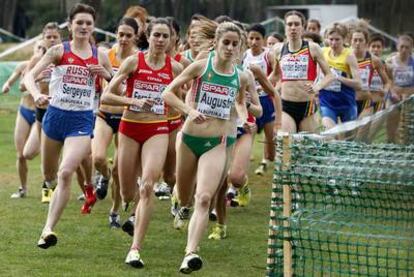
183	114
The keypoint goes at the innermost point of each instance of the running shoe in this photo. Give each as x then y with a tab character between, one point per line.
128	226
81	197
134	259
46	194
181	219
213	215
219	232
114	221
162	191
192	262
261	169
90	200
47	240
243	199
21	193
174	205
102	187
231	197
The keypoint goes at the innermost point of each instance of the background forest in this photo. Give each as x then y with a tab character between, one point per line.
26	17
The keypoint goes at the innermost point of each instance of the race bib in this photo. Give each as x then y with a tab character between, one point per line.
216	100
376	82
403	76
335	86
295	68
147	90
364	75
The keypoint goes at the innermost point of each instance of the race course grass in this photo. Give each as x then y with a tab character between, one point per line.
88	247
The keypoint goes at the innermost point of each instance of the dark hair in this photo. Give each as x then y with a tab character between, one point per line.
131	22
257	27
81	8
159	20
223	18
377	37
297	13
313	36
313	20
174	24
277	36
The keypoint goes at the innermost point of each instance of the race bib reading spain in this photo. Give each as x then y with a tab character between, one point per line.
216	100
147	90
294	67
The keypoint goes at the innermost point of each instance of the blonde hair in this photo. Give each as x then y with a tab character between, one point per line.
338	28
205	32
227	27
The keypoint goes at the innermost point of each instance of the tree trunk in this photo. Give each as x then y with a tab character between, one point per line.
7	11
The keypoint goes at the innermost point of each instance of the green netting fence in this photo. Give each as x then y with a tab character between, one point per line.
344	208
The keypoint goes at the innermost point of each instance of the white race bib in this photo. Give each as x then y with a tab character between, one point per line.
147	90
335	86
216	100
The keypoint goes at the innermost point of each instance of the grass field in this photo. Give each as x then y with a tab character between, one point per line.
87	247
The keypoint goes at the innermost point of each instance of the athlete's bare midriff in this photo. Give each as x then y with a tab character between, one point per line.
111	109
143	116
295	91
212	127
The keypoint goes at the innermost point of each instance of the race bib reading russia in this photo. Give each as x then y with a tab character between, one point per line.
76	90
147	90
216	100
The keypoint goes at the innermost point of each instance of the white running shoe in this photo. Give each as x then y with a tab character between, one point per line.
134	259
181	218
21	193
192	262
162	191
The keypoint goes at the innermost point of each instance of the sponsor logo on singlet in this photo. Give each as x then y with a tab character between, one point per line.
364	75
149	90
216	100
294	67
75	89
404	76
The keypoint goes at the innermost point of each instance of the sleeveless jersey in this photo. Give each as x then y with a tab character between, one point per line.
187	54
177	57
337	95
250	117
214	93
297	66
403	75
261	60
365	70
149	83
72	85
376	81
115	63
